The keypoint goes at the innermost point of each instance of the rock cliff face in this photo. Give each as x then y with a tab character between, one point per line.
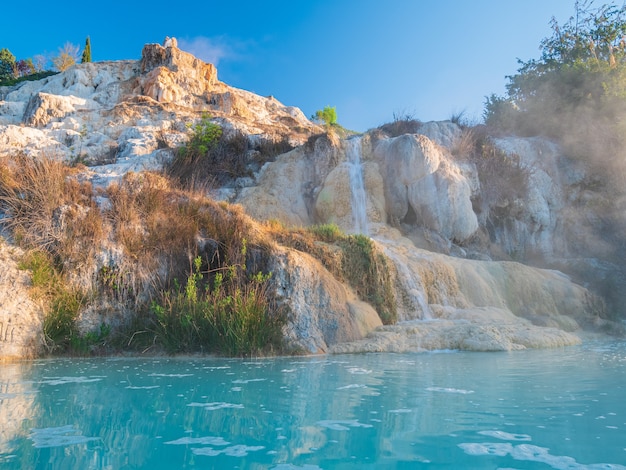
21	319
123	112
451	242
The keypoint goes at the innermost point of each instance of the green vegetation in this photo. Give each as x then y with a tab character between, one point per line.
157	227
86	56
13	71
328	115
7	65
229	314
27	78
367	271
212	156
360	263
576	92
64	304
328	233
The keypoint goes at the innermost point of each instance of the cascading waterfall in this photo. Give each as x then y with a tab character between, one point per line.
357	187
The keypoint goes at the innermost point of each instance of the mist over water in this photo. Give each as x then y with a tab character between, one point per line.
560	409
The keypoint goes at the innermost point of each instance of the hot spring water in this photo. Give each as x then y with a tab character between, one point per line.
538	409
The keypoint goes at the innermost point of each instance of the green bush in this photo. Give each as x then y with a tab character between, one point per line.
211	156
328	115
328	233
63	304
231	314
204	136
367	271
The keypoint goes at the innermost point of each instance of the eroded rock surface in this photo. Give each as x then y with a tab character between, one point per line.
21	318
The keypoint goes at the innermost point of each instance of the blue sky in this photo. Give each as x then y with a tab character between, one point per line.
370	59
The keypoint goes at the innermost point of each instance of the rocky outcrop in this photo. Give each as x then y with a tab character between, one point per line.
21	319
322	312
425	186
170	75
96	112
452	248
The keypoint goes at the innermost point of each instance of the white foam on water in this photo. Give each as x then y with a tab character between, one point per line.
69	380
289	466
236	389
215	405
359	371
401	411
487	448
342	425
216	367
170	375
506	436
532	453
347	387
205	441
449	390
239	450
58	437
247	381
146	387
287	371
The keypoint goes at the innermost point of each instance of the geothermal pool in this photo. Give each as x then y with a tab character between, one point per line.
561	409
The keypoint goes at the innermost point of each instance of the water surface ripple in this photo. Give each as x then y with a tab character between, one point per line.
560	409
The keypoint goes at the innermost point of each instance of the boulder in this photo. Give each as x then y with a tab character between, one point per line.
173	76
424	186
322	312
21	319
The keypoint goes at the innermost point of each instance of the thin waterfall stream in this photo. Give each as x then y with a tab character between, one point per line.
357	187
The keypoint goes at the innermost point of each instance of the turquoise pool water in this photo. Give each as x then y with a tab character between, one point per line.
561	409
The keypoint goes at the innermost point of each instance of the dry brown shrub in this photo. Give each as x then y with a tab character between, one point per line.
47	208
464	146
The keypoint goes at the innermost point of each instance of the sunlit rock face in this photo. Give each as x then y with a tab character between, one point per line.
469	300
21	318
322	311
423	185
424	203
87	110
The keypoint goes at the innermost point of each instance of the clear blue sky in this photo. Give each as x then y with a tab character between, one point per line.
369	58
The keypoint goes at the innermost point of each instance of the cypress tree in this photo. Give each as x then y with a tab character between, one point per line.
87	52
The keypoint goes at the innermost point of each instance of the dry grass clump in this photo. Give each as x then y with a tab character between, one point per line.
403	123
202	266
350	258
503	178
46	207
213	157
162	227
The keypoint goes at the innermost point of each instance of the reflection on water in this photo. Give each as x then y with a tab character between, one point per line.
561	409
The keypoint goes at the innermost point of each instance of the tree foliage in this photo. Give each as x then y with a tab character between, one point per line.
576	88
86	57
68	54
575	93
7	65
328	115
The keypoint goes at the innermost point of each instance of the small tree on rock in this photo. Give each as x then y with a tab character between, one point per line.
7	65
67	57
328	115
87	51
